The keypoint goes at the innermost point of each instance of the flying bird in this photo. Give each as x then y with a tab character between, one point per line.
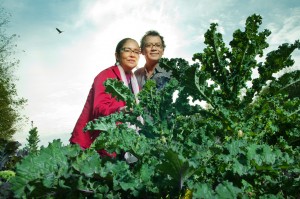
59	31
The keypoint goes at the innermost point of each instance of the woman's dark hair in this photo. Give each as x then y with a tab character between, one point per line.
120	45
152	33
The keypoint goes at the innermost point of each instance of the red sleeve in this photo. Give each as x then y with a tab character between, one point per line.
104	104
84	139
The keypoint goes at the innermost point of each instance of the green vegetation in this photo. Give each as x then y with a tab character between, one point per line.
8	161
10	103
10	107
243	144
33	139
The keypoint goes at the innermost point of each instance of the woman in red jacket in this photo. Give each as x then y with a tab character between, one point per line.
99	103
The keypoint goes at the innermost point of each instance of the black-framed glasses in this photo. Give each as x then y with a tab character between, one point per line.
151	45
129	50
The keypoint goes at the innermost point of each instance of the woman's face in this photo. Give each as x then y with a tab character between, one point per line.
129	55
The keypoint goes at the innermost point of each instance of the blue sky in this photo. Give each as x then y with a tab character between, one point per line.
57	70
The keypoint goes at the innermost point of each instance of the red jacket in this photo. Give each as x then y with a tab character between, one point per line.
98	103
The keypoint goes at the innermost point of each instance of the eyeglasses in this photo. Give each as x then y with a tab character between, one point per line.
129	50
150	45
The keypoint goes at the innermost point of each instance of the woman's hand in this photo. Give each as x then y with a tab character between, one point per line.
124	109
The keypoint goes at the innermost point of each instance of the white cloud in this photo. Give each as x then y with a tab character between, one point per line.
288	31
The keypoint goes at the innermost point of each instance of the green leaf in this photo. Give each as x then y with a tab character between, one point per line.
120	91
88	163
202	190
227	190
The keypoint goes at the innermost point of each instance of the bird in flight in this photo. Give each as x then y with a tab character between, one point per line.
59	31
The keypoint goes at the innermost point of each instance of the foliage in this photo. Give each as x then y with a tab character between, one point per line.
33	140
243	144
5	189
10	103
6	175
66	172
9	156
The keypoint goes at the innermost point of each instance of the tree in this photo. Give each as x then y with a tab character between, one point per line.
10	103
33	139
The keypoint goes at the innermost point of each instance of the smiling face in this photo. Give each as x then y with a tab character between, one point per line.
153	49
129	55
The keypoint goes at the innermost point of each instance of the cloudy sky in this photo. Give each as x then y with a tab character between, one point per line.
56	70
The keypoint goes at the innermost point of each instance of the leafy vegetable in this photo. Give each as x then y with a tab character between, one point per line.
244	143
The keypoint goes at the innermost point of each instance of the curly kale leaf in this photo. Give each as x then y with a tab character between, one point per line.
121	92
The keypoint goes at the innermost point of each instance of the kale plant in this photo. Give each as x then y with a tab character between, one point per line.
244	143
